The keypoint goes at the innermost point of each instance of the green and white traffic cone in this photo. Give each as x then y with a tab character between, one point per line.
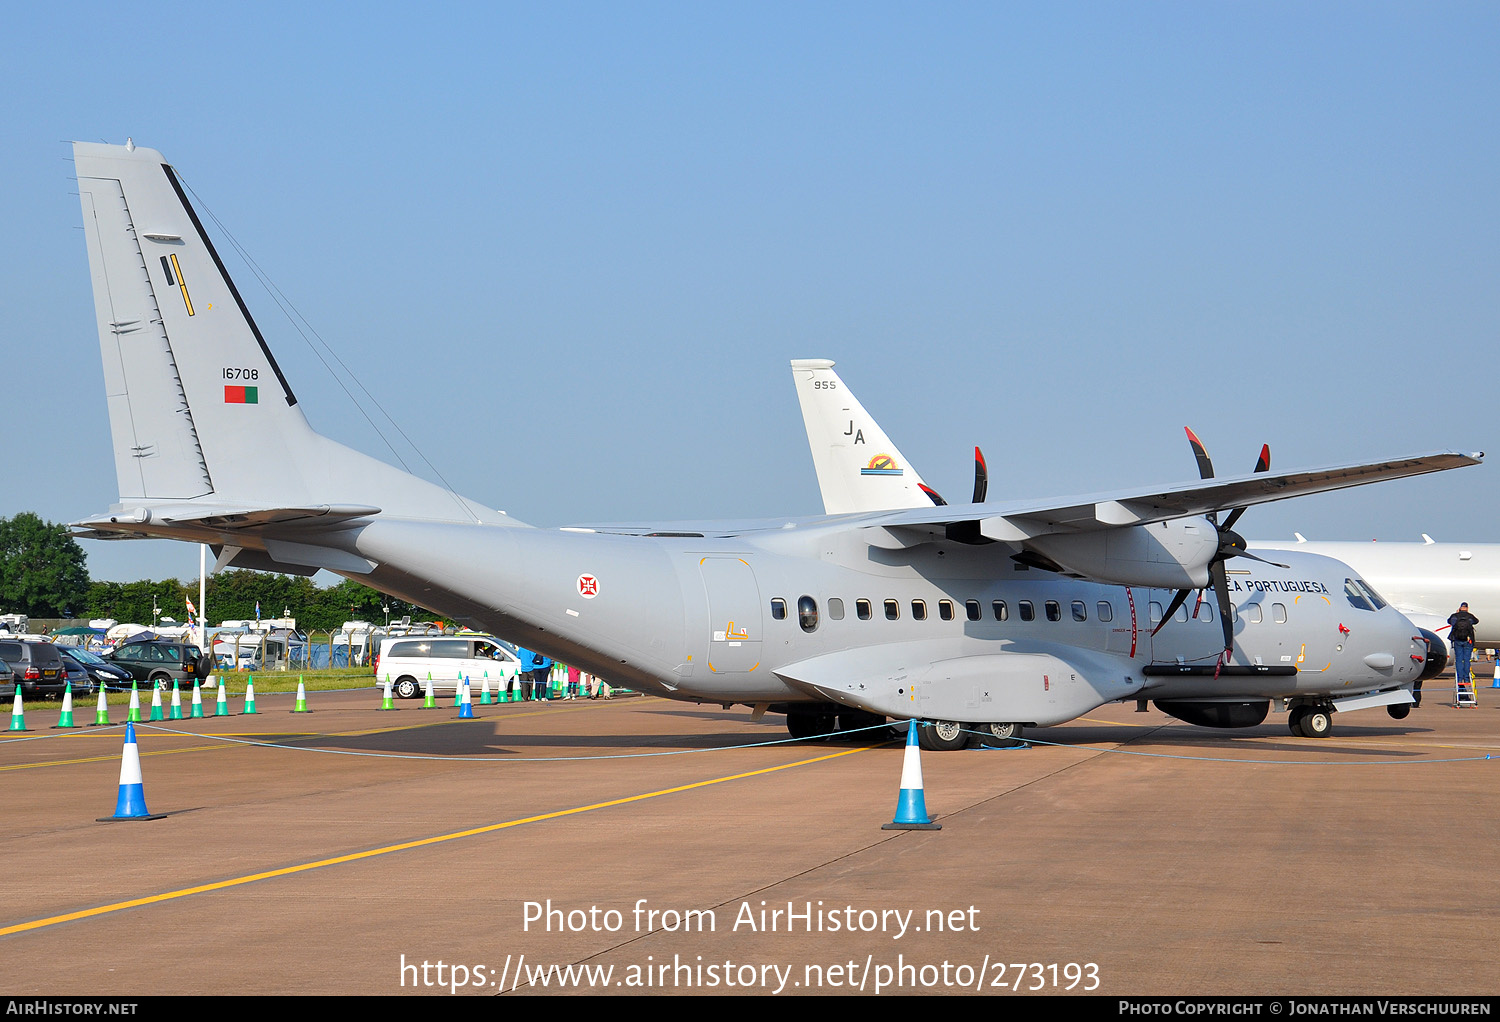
250	695
176	712
428	701
484	690
301	706
101	712
66	718
134	715
197	711
18	713
156	711
386	702
221	708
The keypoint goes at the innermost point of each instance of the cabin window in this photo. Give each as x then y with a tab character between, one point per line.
778	609
1080	611
1253	613
862	610
919	610
971	609
1205	611
1106	610
945	610
892	610
1002	612
835	608
807	613
1054	611
1155	612
1182	614
1278	613
1028	612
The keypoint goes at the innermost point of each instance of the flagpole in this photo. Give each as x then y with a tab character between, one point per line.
203	598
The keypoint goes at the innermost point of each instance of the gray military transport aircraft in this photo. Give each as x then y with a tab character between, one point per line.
842	435
935	613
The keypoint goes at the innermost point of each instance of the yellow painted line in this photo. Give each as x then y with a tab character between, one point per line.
183	284
154	899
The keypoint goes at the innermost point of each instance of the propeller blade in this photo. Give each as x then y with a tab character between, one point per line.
981	477
1262	464
1177	601
934	495
1205	464
1253	557
1221	590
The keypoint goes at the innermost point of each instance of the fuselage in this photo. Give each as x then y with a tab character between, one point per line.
748	619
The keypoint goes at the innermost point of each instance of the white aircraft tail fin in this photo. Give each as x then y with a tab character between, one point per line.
199	410
858	467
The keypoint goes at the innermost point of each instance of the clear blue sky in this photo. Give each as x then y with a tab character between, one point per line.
571	247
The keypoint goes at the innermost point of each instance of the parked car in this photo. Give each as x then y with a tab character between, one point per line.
161	663
409	662
8	679
37	665
100	671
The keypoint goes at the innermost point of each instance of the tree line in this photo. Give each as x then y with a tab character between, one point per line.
43	575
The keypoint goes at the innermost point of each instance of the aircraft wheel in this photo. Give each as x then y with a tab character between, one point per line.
1002	735
803	725
1317	722
1398	711
942	736
1294	720
406	688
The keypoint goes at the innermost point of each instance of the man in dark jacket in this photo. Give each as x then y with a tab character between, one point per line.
1461	638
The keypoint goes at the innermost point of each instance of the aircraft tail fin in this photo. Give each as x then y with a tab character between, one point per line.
198	408
858	467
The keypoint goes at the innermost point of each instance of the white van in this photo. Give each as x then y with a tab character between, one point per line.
448	659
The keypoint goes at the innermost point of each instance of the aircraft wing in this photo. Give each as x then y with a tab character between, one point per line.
1017	521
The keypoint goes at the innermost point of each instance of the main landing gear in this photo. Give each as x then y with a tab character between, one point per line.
1311	721
948	735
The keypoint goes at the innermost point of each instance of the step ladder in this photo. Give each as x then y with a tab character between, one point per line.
1463	692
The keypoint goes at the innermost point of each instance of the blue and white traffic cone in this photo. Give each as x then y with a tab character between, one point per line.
911	806
131	805
1496	682
465	702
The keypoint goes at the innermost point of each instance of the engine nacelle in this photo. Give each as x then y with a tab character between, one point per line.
1174	554
1212	713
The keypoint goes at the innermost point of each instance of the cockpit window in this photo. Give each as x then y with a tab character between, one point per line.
1356	596
1370	593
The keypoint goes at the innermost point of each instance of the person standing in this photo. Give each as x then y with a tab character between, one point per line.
525	657
541	675
1461	636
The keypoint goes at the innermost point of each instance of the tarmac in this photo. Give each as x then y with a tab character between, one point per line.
640	845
